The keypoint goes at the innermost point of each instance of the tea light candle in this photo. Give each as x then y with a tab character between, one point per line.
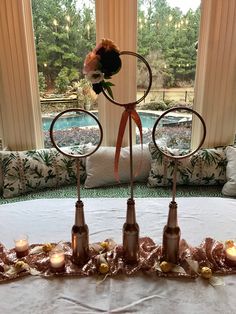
57	259
231	254
21	246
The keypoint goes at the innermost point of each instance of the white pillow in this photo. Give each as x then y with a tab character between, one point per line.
229	188
100	166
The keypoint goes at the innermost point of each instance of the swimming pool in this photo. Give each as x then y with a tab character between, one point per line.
80	120
148	119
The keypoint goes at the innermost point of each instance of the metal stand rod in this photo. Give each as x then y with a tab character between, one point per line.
78	177
131	158
174	181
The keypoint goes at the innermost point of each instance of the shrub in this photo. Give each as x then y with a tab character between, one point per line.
169	102
62	81
154	105
42	82
85	94
73	75
174	104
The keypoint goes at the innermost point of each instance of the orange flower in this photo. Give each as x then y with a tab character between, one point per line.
103	62
91	62
107	44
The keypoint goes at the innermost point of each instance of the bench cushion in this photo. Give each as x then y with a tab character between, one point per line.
27	171
229	188
100	166
205	167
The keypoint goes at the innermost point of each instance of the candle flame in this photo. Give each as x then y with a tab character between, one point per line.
231	250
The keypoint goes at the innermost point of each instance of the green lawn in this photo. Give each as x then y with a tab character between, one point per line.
175	94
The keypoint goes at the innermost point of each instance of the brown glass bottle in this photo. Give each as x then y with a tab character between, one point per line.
171	236
80	236
130	235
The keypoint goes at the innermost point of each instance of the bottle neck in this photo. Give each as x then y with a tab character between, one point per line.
172	216
130	215
79	214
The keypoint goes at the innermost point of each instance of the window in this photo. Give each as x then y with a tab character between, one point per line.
214	86
64	33
167	36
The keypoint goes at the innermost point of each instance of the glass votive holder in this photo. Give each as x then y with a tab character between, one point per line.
231	256
57	259
21	245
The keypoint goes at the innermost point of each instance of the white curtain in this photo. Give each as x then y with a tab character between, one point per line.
19	97
215	85
117	20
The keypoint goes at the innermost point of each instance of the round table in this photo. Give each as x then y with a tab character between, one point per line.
50	220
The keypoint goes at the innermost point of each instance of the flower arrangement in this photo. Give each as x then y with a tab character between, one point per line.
100	64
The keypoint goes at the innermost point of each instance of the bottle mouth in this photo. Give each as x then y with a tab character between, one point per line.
130	201
75	229
79	204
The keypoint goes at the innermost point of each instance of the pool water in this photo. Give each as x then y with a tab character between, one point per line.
148	119
80	120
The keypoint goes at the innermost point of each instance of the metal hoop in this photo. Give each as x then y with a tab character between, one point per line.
75	110
174	109
131	53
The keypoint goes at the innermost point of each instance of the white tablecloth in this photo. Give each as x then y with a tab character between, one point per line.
51	221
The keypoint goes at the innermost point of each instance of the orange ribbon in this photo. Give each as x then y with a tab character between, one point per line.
129	111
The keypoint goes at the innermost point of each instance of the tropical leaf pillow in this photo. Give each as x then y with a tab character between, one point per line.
33	170
205	167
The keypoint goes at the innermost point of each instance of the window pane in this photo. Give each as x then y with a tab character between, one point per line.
167	37
64	33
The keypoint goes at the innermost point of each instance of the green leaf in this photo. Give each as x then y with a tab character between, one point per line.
109	84
109	91
106	86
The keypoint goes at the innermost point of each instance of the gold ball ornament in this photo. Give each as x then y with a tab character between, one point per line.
20	265
229	243
166	267
206	272
103	268
47	247
104	245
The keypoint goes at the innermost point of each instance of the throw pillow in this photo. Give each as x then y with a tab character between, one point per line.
229	188
100	166
205	167
27	171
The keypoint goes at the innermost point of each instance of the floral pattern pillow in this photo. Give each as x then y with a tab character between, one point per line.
33	170
205	167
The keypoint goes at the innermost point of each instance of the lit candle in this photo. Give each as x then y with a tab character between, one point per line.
22	246
57	259
231	254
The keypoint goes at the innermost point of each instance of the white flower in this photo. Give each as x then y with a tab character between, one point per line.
95	76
